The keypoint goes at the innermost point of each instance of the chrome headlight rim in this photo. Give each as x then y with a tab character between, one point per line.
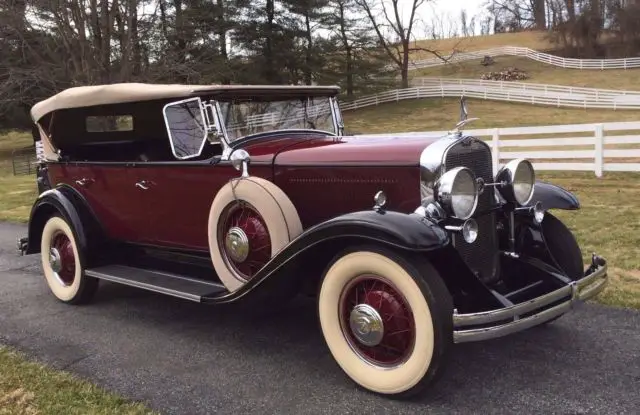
508	177
445	186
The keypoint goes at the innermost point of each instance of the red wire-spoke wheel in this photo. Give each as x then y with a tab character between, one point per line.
377	320
387	318
244	239
250	220
62	263
62	258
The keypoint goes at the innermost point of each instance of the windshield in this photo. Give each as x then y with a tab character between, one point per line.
246	117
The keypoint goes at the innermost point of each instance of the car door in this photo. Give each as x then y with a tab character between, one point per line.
112	193
179	198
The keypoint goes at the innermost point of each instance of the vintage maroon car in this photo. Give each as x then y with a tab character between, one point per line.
221	194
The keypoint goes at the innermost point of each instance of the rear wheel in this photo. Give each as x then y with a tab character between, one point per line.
62	263
386	319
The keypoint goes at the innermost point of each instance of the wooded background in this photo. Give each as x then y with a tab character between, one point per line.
361	45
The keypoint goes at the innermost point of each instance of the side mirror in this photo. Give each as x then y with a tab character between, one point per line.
240	159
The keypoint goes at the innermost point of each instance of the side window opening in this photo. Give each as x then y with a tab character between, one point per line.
108	123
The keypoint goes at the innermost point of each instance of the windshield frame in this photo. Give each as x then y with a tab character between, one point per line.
336	121
217	129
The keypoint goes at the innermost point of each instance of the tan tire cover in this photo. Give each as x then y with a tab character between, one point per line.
65	293
392	380
277	211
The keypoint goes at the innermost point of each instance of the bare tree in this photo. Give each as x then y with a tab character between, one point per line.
463	23
394	33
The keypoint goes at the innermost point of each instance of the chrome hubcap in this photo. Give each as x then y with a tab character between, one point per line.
366	325
55	261
237	244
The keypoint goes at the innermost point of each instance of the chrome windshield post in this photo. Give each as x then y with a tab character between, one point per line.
216	126
338	122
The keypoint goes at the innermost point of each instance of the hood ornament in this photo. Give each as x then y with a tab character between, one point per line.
464	116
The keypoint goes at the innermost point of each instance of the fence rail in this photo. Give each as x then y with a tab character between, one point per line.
603	141
24	161
522	92
570	63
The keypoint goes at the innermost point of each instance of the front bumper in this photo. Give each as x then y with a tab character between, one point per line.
501	322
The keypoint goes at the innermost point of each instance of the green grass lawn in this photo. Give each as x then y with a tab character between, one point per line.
28	388
17	193
437	114
608	224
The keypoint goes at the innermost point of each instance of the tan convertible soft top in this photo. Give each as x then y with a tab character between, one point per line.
86	96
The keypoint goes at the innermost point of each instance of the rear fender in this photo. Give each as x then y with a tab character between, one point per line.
71	205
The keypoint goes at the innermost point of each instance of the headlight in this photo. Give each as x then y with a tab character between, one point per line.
519	180
457	192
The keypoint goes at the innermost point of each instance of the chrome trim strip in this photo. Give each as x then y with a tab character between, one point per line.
577	291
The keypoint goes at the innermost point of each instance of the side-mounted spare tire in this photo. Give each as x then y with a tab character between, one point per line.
251	220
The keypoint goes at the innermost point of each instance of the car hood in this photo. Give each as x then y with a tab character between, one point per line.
355	150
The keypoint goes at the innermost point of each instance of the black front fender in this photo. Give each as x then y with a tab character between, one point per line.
317	245
71	205
554	197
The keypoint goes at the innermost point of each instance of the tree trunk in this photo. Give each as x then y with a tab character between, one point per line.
308	78
268	53
571	9
405	64
539	14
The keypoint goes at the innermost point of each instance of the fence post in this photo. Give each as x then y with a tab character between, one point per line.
599	150
495	143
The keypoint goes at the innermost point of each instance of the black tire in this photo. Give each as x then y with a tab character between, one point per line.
68	284
563	247
403	278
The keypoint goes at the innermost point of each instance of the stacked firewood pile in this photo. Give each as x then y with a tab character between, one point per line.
507	74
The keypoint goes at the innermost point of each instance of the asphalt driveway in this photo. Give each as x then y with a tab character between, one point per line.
181	357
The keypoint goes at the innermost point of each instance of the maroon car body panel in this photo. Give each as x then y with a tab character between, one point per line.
324	176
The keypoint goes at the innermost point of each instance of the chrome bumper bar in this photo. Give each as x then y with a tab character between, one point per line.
491	324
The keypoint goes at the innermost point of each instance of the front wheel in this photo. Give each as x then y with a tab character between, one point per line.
386	319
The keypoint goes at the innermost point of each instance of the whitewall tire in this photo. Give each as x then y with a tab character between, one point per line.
386	320
251	220
62	263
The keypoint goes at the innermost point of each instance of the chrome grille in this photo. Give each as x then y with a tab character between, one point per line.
482	256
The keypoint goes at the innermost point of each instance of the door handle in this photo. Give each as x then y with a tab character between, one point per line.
143	184
84	182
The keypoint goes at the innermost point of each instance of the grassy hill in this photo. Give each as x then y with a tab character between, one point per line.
533	39
539	72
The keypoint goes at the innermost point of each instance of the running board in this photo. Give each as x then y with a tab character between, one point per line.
158	281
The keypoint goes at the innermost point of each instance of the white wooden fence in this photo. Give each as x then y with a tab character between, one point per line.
522	92
571	63
599	146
